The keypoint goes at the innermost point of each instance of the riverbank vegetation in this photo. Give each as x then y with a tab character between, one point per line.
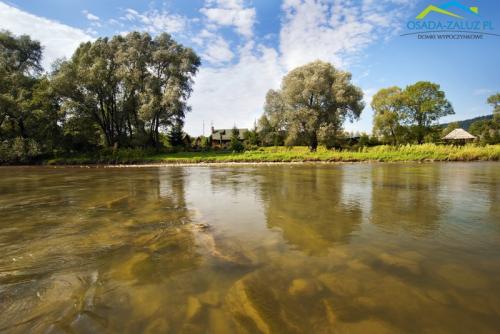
124	100
382	153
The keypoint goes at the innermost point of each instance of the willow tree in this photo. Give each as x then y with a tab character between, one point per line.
28	106
317	100
131	86
20	70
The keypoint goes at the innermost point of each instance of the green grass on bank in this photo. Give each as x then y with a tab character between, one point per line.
425	152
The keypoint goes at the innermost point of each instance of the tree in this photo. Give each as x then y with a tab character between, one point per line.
494	100
272	125
175	135
205	143
388	116
131	86
29	109
423	103
409	114
252	137
235	145
314	101
20	70
489	130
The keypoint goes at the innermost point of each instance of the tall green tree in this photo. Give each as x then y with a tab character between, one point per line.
20	70
272	124
236	145
29	108
175	135
317	98
410	114
494	101
388	116
131	86
424	103
488	131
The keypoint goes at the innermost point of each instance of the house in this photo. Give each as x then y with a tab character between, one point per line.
459	136
222	137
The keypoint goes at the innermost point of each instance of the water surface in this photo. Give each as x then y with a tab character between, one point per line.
355	248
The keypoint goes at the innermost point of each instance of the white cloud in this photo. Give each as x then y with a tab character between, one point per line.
58	40
335	30
231	85
230	13
218	51
90	16
155	21
234	94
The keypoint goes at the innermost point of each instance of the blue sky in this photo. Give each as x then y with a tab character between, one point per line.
247	46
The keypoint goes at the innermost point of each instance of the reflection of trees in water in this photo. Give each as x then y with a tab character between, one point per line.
492	176
233	180
406	197
306	204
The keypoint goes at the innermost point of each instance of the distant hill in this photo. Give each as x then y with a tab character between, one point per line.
465	124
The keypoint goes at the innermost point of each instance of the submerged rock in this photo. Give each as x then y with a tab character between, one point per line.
408	261
211	298
201	227
340	284
193	307
260	307
301	287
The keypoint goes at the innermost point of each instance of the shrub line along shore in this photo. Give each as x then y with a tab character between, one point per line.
405	153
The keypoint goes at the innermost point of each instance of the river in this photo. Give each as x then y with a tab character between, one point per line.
351	248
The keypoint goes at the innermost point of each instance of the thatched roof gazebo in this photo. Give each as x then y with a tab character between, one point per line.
459	136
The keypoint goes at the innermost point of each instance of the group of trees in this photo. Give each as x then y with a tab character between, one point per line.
409	115
488	131
316	99
122	91
132	91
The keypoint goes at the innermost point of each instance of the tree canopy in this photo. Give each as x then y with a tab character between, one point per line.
129	86
403	115
313	103
488	131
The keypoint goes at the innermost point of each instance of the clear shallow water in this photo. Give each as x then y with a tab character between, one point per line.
383	248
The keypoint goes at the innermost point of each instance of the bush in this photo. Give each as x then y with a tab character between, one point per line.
19	150
236	145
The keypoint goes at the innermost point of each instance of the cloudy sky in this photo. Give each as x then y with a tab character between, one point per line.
247	46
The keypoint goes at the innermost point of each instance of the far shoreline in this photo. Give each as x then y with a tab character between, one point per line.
273	156
241	164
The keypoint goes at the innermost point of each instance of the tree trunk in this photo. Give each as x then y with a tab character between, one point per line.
314	142
22	128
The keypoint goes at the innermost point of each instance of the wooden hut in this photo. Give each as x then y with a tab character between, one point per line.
459	136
